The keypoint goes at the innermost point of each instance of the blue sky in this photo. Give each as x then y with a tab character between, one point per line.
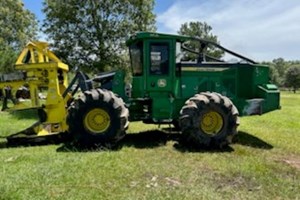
259	29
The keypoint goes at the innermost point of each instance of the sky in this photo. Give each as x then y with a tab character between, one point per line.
259	29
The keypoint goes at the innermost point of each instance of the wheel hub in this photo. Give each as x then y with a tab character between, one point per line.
97	121
211	122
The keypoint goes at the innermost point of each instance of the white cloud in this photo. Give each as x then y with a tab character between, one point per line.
260	29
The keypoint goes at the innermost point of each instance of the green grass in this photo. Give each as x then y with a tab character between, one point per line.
263	163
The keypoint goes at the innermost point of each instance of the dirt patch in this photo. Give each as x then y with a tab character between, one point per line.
236	182
293	161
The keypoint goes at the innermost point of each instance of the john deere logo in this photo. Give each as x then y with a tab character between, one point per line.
162	83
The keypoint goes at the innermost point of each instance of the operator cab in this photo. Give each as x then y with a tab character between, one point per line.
151	63
153	73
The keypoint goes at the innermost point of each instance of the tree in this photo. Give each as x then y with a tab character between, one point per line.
274	75
293	78
278	70
280	65
91	34
7	58
18	26
142	16
201	30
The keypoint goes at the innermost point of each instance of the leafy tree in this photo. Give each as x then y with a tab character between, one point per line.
274	76
293	78
273	73
91	34
201	30
8	58
18	26
142	16
280	65
279	69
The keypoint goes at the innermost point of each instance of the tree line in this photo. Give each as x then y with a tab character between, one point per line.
285	74
91	35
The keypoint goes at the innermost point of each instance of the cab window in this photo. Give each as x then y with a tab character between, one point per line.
159	58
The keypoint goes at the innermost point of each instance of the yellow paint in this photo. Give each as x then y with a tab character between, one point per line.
97	121
43	70
206	69
211	122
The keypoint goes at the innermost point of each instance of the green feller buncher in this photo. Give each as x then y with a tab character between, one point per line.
202	97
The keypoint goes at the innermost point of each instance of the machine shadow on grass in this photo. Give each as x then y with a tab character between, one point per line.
247	139
156	138
160	137
3	145
25	114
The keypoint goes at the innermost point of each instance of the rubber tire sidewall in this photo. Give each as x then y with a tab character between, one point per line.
215	139
114	126
193	135
82	136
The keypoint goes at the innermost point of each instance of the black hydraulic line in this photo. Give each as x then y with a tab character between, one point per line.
83	82
105	79
103	75
70	86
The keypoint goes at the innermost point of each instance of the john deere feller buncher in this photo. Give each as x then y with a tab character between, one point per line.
203	98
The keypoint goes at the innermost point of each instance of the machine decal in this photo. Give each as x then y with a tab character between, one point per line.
161	83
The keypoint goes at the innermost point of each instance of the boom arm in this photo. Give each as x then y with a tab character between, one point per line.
204	43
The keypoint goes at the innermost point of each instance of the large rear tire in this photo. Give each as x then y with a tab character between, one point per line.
208	120
98	117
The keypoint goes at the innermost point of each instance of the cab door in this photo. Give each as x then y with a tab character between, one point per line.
159	67
159	79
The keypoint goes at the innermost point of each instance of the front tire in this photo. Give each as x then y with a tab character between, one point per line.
208	120
99	117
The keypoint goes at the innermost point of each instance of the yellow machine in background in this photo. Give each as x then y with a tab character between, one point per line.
39	70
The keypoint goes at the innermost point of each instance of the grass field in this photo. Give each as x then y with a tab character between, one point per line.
263	163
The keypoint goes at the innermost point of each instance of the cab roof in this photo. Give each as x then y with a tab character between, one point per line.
151	35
